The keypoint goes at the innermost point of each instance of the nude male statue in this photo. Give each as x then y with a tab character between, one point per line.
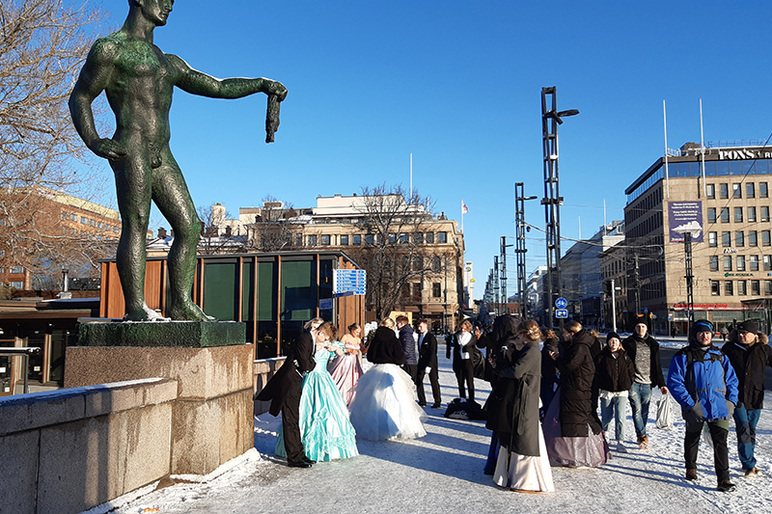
139	79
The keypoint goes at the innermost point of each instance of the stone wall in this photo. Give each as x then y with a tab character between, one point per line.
69	450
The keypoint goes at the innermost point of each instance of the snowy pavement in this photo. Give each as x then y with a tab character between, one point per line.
442	473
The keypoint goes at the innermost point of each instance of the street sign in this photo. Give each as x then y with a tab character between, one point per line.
325	304
349	280
561	313
561	303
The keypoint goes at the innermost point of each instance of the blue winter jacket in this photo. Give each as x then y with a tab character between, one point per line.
714	381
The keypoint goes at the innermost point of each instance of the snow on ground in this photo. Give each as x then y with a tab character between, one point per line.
442	473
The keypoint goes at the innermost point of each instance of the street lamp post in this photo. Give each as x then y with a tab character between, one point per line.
520	229
550	119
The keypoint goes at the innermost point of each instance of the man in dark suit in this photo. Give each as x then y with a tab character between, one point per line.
284	390
427	363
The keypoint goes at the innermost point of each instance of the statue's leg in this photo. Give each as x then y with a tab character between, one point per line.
132	183
171	195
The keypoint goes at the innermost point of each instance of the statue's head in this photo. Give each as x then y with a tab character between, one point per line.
155	11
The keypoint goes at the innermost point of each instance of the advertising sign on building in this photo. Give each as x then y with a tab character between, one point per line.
685	217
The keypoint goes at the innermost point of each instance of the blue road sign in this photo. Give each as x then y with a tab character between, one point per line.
561	303
561	313
349	280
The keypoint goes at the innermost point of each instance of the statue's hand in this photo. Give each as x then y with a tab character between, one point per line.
273	87
108	148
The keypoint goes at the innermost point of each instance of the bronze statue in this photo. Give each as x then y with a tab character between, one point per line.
139	79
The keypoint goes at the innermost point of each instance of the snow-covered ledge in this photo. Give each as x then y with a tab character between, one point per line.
71	449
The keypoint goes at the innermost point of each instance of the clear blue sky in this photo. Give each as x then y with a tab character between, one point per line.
458	85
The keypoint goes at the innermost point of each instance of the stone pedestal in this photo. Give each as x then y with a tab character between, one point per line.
212	418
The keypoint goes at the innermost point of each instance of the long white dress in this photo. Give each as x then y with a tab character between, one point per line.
384	406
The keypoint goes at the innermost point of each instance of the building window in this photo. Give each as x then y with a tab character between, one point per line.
436	289
737	190
312	240
713	239
725	215
754	262
418	263
741	263
714	263
728	288
755	287
739	238
404	238
357	239
325	239
436	264
416	292
726	238
714	288
723	190
765	240
84	220
711	190
750	190
16	269
75	217
753	238
711	214
344	240
751	214
392	238
727	263
429	237
763	191
768	287
17	285
418	238
369	239
442	237
764	213
742	287
738	214
767	260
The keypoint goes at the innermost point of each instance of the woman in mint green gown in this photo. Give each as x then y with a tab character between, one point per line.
325	429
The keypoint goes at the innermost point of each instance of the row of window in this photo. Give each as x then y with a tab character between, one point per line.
723	215
737	190
370	239
740	262
12	269
84	220
740	287
16	285
740	238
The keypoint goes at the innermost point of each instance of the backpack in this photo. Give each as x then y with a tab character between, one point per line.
460	408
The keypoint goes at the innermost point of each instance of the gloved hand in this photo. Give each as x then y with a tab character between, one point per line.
428	369
694	415
730	408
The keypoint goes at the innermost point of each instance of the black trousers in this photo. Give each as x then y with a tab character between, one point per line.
412	370
465	376
719	429
434	379
291	423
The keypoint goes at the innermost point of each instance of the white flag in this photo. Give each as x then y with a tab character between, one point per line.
464	208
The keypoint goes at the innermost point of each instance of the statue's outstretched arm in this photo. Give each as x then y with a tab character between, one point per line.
198	83
93	79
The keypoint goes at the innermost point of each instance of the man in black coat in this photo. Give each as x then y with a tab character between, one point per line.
284	390
644	351
427	363
409	347
749	355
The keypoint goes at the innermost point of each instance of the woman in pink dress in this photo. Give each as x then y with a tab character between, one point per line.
346	369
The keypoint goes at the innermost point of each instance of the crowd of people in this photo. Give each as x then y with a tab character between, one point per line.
546	392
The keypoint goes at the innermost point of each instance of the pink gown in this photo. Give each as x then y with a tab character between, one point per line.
346	369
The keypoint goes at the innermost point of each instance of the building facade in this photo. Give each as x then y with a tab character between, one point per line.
721	197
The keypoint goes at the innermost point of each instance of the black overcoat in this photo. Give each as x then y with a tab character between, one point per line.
614	374
513	406
577	374
385	348
749	363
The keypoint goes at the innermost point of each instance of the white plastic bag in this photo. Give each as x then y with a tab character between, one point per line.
664	413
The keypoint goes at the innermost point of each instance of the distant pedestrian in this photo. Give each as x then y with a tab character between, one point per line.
749	354
704	383
513	409
427	365
644	351
462	360
409	347
615	373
